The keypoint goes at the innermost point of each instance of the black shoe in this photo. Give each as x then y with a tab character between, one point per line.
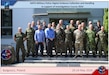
48	56
106	56
27	55
87	55
56	55
61	55
23	59
71	55
94	55
36	54
65	55
17	61
81	56
51	55
33	55
42	55
100	56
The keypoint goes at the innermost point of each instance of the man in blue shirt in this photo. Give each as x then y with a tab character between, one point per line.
50	36
39	37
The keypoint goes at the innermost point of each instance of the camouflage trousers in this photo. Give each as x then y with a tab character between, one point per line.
18	47
30	46
104	47
91	47
78	46
68	45
60	47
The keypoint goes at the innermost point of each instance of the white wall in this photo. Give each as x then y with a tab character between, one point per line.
21	17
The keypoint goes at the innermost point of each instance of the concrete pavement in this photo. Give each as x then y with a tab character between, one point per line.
60	62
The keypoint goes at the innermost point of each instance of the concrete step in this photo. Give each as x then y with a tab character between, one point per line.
63	59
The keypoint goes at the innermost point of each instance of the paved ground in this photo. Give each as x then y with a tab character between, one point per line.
61	62
55	65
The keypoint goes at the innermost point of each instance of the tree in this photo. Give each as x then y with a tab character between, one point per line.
105	19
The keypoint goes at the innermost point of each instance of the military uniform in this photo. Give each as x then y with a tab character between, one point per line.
97	29
90	35
102	45
84	40
79	36
30	40
68	41
72	28
20	44
60	38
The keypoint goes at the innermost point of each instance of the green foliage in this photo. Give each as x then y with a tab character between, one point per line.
105	19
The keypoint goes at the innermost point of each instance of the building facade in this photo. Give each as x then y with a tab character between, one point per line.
21	17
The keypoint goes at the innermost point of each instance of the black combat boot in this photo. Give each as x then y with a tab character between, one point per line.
27	55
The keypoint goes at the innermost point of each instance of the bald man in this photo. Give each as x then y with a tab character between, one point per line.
102	42
77	23
30	39
79	37
61	24
68	39
19	38
90	35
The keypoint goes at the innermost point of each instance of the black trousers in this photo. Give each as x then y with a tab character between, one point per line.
40	44
49	46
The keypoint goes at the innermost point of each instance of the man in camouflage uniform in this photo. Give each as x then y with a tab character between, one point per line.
90	22
30	40
19	38
84	41
97	28
53	26
61	24
72	28
68	40
79	36
60	38
90	35
102	45
77	23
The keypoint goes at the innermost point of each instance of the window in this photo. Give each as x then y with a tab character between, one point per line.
6	23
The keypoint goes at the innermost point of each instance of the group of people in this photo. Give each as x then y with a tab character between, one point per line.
72	37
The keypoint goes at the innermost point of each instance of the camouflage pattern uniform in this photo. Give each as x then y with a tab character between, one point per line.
20	44
97	29
84	40
90	35
79	36
60	38
30	40
68	41
102	45
72	28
